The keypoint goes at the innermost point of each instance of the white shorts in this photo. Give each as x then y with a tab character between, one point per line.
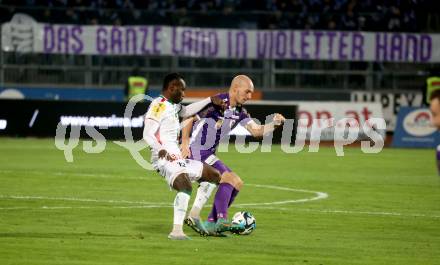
171	169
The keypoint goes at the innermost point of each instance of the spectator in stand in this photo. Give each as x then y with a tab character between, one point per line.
366	15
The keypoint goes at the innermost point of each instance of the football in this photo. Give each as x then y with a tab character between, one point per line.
247	219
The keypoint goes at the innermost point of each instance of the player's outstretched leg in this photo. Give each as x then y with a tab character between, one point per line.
226	178
210	223
182	185
193	220
196	225
210	177
226	193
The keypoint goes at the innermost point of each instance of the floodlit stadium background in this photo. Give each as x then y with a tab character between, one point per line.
67	62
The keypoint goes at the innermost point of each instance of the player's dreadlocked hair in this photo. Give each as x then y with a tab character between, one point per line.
169	78
435	95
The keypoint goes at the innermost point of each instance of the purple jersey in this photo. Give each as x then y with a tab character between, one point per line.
214	125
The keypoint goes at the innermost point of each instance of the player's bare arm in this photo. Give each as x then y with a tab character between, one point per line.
186	136
260	130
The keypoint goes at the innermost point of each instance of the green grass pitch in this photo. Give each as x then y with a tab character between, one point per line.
104	209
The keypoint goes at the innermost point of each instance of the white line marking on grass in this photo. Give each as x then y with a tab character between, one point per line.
145	205
59	173
85	207
318	196
66	173
349	212
328	211
383	213
20	197
149	205
16	208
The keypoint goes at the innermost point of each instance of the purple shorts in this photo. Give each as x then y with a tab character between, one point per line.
221	167
211	159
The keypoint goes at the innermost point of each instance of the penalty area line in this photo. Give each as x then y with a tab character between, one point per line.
325	211
349	212
318	196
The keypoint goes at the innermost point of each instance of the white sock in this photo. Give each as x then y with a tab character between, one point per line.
180	206
203	193
177	230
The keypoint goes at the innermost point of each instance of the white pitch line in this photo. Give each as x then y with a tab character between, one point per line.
349	212
20	197
318	196
85	207
101	176
326	211
65	173
147	205
383	213
144	204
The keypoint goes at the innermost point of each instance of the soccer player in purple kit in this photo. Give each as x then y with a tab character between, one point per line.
222	122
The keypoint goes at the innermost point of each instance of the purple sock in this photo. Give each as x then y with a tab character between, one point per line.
212	217
233	195
222	198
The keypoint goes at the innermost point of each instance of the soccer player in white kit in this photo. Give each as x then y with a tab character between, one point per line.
161	132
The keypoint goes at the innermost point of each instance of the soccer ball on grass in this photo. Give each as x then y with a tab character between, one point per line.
248	221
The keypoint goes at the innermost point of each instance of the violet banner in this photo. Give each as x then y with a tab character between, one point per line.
221	43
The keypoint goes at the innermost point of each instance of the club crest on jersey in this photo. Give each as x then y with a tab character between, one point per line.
157	109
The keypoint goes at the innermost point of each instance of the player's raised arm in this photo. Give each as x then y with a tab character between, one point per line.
195	107
260	130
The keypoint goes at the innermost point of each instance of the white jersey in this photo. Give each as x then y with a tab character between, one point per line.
161	131
167	115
